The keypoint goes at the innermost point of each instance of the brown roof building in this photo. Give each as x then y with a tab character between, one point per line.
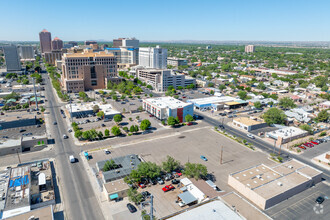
57	44
45	41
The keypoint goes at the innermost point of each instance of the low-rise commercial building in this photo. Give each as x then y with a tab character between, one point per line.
160	80
115	190
79	109
249	124
30	186
269	72
286	134
267	186
164	107
12	120
125	165
217	102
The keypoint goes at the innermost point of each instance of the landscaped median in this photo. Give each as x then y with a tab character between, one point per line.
237	139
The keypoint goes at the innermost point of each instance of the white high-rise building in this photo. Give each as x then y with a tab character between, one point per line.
153	57
249	48
26	52
12	58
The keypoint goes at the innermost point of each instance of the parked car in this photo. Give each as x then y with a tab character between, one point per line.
131	208
221	127
160	181
38	125
189	123
314	142
175	181
319	200
203	158
106	151
153	181
308	145
142	185
65	136
54	123
167	188
250	136
302	147
22	130
103	125
168	177
145	194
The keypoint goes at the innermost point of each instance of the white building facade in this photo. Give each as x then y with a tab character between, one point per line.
153	57
12	58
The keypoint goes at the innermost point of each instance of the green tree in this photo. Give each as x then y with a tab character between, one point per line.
100	114
117	118
114	97
194	170
222	87
172	121
134	196
110	165
242	94
115	130
324	88
82	95
170	164
145	124
149	170
274	116
306	128
134	128
96	108
287	102
261	86
257	104
189	118
86	135
106	132
323	116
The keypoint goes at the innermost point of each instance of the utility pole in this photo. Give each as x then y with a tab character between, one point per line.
19	159
221	153
151	213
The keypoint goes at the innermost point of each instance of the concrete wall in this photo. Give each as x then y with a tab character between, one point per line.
10	150
18	123
43	204
247	192
34	142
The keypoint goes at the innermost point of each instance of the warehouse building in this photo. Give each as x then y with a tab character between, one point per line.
267	186
164	107
218	102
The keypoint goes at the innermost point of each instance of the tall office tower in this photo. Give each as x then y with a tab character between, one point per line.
45	41
88	70
26	52
57	44
126	42
73	43
12	58
153	57
249	49
89	42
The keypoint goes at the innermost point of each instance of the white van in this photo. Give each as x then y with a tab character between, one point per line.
72	159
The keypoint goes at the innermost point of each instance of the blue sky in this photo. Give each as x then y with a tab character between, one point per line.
269	20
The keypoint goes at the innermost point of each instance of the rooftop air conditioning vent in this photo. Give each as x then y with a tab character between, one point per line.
280	184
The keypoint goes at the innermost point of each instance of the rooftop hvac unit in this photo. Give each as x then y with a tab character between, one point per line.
280	184
290	167
117	171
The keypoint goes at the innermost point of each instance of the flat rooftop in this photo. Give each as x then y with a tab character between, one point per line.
127	164
248	121
214	209
4	179
88	54
19	115
166	102
5	143
81	107
212	100
116	186
286	132
269	182
44	213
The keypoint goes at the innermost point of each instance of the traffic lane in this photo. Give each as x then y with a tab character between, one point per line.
74	184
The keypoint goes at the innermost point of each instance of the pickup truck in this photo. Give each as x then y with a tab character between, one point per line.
168	188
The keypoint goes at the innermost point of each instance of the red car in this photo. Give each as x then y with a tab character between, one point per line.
151	116
183	97
308	145
142	185
302	147
168	188
315	143
189	123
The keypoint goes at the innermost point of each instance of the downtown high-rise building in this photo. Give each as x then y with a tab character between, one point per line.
26	52
126	42
45	41
12	58
153	57
57	44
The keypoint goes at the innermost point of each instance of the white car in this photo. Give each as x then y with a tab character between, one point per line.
72	159
250	136
65	136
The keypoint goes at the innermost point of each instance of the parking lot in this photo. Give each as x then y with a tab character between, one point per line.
303	205
189	146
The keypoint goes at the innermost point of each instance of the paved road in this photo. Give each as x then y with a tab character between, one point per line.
79	199
264	146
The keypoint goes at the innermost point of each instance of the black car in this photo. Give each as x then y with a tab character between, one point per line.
22	130
221	126
103	125
131	208
175	181
145	194
319	200
54	123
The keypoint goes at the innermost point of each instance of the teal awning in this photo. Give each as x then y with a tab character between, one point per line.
114	196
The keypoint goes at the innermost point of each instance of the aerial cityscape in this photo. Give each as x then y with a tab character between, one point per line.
173	110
